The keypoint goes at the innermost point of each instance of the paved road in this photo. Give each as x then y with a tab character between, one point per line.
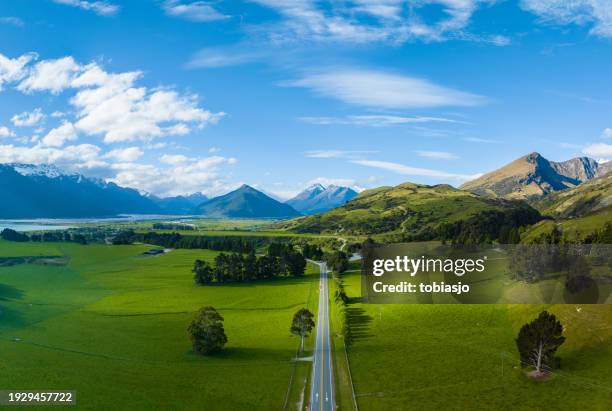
322	389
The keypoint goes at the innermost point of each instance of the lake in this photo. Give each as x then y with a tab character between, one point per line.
54	224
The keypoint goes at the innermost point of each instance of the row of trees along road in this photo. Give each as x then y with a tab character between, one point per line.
281	260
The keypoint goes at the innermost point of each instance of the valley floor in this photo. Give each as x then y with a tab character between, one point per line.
432	357
112	325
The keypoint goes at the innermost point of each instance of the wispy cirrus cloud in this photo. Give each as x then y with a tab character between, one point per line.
214	57
480	140
103	8
436	155
338	153
594	13
379	89
14	21
375	120
365	21
198	11
414	171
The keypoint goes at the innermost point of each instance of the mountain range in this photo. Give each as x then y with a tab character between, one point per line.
246	202
32	191
45	191
28	191
577	190
318	198
533	176
179	205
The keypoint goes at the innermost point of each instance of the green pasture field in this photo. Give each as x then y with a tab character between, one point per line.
446	357
111	325
571	227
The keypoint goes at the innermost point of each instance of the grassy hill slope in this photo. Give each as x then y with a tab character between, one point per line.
405	210
577	212
588	198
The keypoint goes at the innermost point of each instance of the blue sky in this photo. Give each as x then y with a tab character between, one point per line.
174	97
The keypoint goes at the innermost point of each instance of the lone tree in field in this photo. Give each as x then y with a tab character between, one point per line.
207	333
538	341
302	325
203	272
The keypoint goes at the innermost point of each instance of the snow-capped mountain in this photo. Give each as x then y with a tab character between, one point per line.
33	191
318	198
42	170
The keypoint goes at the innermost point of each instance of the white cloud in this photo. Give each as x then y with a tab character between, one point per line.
102	8
570	145
222	57
173	159
480	140
110	105
28	119
607	133
60	135
412	171
375	120
362	21
337	153
6	132
213	150
379	89
13	69
199	174
436	155
50	75
199	11
599	150
15	21
595	13
125	155
69	157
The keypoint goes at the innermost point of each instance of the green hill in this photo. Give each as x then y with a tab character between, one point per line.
577	212
411	211
588	198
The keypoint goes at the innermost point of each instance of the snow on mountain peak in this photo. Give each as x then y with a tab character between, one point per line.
45	170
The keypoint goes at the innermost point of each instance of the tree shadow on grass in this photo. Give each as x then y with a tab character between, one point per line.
8	292
10	318
359	323
284	280
245	356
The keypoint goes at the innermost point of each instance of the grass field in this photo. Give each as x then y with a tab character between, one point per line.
443	357
111	324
